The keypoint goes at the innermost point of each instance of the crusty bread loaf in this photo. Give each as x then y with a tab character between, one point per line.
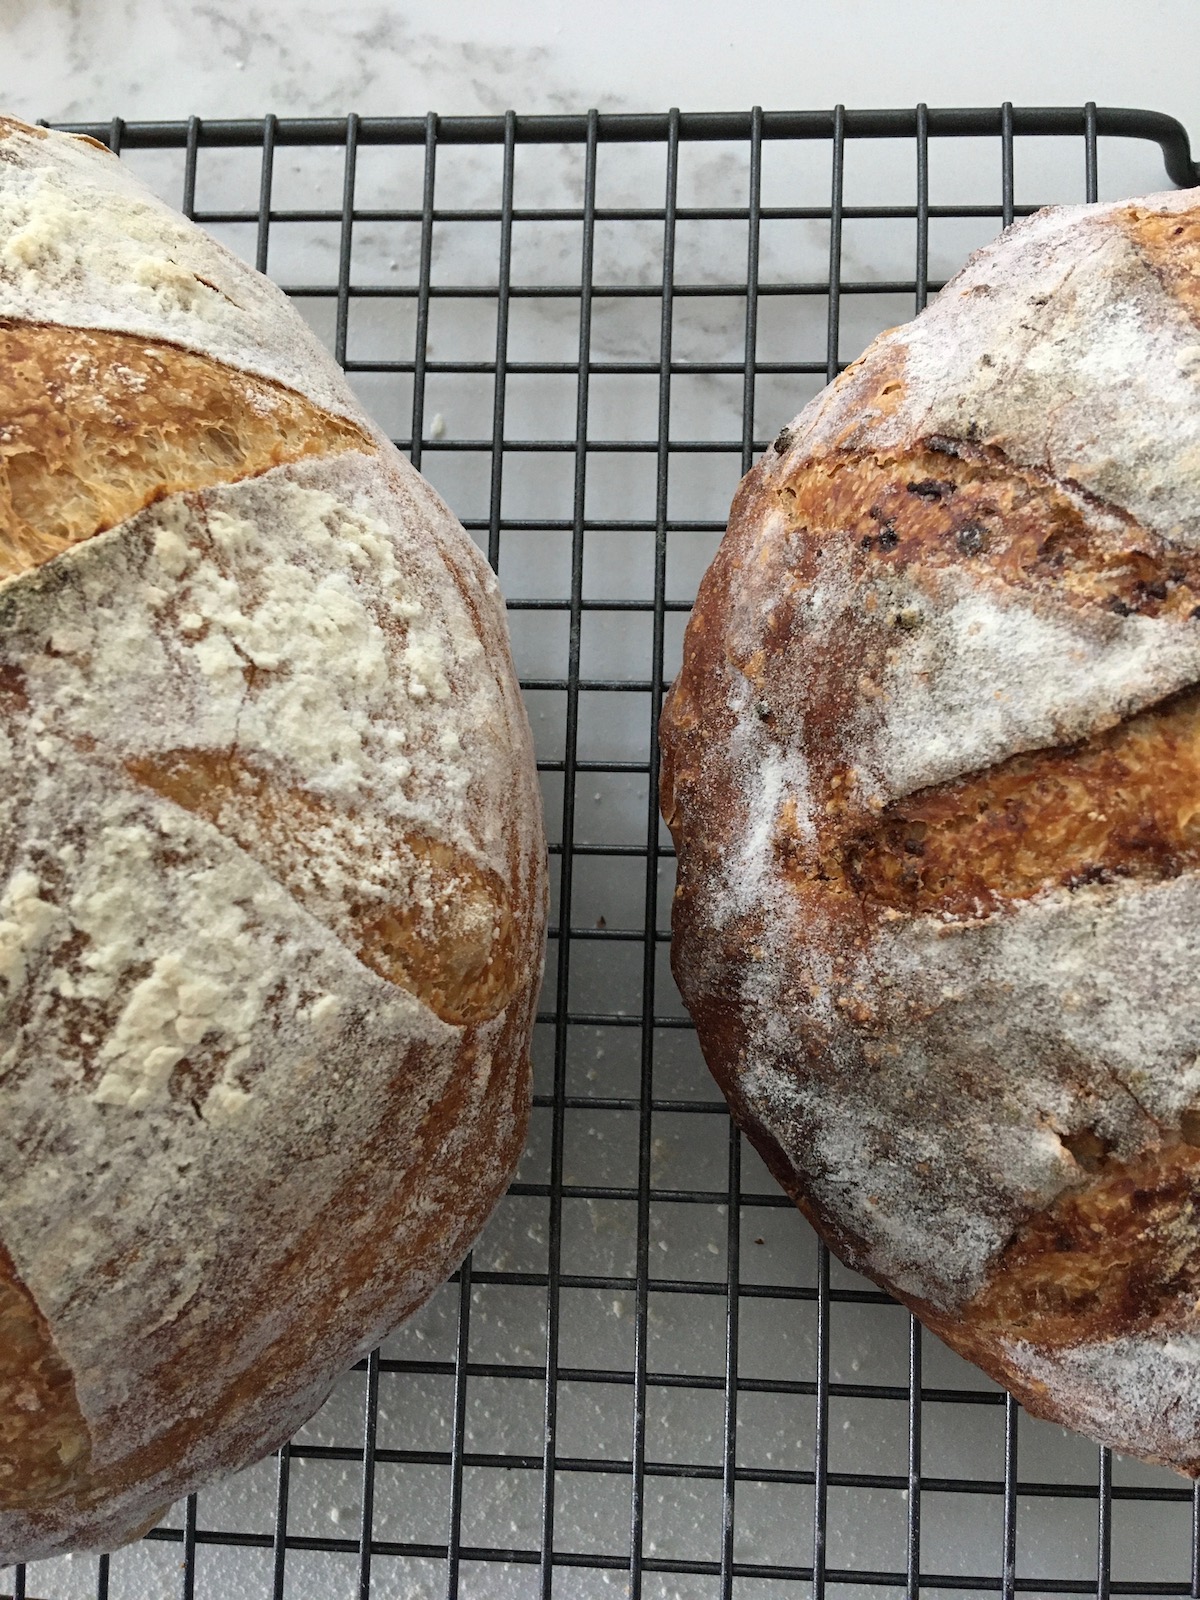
272	881
933	769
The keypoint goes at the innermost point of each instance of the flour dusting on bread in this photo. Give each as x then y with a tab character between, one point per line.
272	879
84	243
974	548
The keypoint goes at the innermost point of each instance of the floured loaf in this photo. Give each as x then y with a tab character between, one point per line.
933	769
272	879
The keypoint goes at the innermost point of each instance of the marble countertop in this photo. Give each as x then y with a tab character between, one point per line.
91	59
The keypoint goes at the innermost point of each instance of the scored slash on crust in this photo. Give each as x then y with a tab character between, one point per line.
96	425
274	896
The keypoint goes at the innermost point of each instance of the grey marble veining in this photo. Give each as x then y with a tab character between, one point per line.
166	58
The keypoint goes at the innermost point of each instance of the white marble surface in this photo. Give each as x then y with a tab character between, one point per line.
165	58
91	59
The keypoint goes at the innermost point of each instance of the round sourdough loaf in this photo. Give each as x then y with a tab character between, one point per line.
271	864
933	769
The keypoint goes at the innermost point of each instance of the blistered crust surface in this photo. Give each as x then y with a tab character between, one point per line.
978	545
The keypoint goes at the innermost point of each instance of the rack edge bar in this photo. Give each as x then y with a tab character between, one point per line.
623	127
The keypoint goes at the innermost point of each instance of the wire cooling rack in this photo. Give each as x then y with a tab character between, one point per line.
649	1379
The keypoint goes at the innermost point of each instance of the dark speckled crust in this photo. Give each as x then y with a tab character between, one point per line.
961	579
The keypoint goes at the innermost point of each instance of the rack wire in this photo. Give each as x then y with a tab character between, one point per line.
640	1468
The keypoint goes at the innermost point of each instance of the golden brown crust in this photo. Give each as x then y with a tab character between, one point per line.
11	125
1117	1254
1120	1253
1169	242
44	1442
273	891
448	936
1122	803
365	1276
953	503
97	425
1109	1262
468	945
1125	804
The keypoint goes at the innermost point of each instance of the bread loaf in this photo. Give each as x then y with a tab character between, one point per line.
272	879
933	769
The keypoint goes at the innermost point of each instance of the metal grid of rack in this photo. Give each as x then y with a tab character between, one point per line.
633	1157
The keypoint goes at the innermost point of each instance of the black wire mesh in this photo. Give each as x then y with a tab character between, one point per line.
743	1523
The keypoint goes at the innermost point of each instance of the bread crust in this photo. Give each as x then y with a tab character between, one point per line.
96	425
929	766
272	872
